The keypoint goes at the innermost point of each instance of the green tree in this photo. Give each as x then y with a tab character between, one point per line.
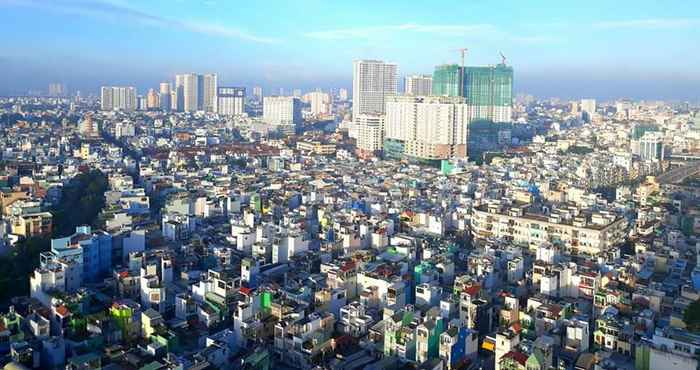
691	317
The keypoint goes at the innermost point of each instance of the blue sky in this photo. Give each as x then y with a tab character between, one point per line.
603	49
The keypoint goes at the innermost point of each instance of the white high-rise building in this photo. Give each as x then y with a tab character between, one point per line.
196	92
343	94
231	101
431	127
57	89
418	85
370	129
372	82
320	102
282	110
258	93
164	94
118	98
190	92
588	108
651	146
209	90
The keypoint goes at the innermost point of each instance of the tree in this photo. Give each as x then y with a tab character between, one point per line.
691	317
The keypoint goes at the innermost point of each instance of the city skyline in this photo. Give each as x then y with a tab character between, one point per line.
573	51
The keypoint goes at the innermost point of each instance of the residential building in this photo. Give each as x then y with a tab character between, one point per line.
418	85
118	98
282	111
372	82
231	101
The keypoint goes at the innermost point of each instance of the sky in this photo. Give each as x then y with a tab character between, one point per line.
569	49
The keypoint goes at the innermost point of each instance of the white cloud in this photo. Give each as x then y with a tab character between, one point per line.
652	23
482	31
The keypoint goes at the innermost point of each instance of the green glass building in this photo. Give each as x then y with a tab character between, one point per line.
482	86
489	86
446	80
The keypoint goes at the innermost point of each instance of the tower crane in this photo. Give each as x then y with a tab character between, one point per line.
503	58
463	52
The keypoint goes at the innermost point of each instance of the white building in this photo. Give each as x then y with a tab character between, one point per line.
124	129
118	98
651	146
320	102
433	127
418	85
187	86
209	89
282	110
370	129
258	93
372	82
343	94
231	101
588	108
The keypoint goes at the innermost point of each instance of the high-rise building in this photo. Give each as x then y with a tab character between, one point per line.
370	133
57	89
446	80
489	90
320	102
588	107
430	128
372	82
651	146
230	100
282	110
258	93
343	94
173	100
196	92
209	87
152	99
418	85
190	92
179	100
164	96
297	93
141	102
118	98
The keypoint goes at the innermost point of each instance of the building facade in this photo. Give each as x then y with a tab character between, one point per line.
231	101
431	128
372	82
118	98
418	85
282	110
371	133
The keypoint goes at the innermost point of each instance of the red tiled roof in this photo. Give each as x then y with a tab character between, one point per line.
63	311
473	290
517	356
517	327
347	266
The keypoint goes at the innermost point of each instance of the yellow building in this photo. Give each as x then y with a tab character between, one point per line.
32	224
316	147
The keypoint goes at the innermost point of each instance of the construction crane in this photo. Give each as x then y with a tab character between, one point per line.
463	52
503	58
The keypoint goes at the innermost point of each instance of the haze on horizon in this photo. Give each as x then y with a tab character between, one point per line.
600	49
